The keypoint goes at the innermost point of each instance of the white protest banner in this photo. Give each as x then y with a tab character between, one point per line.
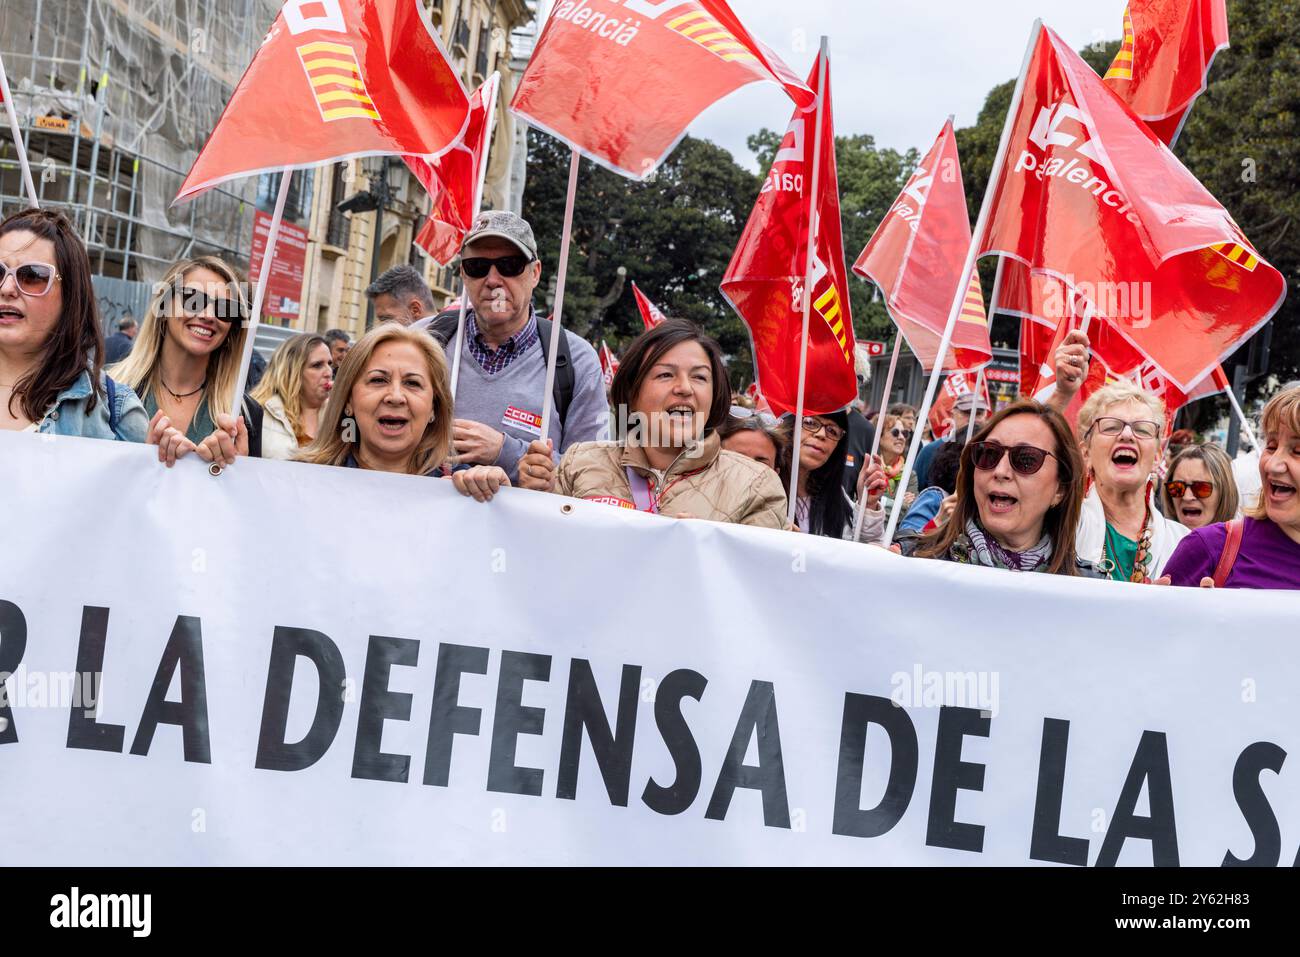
294	664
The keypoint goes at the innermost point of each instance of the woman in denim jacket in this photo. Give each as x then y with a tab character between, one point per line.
51	346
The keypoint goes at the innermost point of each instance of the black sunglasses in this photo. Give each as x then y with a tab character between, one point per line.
195	302
477	267
1025	459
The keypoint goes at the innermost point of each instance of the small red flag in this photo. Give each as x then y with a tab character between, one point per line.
765	281
621	81
608	364
1089	194
955	385
916	257
651	315
331	81
452	179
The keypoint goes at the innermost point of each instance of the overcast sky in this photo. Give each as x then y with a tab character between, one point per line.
898	67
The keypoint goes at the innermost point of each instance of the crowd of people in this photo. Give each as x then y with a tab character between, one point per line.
1023	489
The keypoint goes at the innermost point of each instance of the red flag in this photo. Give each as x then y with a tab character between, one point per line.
651	315
765	281
621	81
336	79
452	179
917	255
1162	65
955	385
1160	70
1089	194
608	364
1054	315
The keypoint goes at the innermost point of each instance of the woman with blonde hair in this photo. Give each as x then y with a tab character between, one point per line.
390	409
1120	427
292	392
1200	489
1261	550
184	364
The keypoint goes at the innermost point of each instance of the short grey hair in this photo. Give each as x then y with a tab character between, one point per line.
402	283
336	335
126	322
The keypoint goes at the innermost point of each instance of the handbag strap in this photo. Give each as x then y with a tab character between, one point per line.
641	497
1231	546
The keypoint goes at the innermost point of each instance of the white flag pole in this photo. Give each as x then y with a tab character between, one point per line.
259	295
986	210
1241	417
556	329
814	195
861	512
979	397
18	137
478	207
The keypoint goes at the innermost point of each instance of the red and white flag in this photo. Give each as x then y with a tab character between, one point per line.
955	385
336	79
1090	195
651	315
765	281
453	179
621	81
917	255
1163	63
608	364
1053	315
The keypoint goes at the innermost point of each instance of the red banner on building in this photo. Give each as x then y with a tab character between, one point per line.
284	284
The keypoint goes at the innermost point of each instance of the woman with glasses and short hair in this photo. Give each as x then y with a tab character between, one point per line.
51	346
1200	489
185	363
758	436
822	506
895	439
1019	492
1120	528
671	391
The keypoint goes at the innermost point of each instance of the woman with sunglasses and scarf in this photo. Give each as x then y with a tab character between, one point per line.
893	450
185	362
1019	491
1120	528
1200	490
51	346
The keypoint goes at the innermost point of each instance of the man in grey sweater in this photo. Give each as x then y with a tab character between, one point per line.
502	364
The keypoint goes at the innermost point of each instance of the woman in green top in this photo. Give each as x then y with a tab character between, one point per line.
185	361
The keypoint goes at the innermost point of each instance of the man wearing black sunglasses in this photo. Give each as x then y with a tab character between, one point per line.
503	360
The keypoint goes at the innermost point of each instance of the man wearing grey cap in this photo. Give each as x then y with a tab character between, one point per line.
965	406
503	358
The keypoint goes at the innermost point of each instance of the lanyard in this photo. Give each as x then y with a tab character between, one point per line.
641	495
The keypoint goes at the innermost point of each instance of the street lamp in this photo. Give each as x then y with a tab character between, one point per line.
376	200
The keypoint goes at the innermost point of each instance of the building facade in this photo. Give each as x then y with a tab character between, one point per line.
480	36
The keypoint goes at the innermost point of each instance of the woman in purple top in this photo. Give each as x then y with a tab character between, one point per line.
1269	556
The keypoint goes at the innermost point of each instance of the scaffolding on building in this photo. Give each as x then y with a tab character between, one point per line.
114	99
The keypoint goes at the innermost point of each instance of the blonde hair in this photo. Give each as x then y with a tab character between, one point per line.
1115	394
1219	466
1282	411
283	378
331	448
140	369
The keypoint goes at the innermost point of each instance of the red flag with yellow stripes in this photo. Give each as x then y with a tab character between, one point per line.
333	81
765	281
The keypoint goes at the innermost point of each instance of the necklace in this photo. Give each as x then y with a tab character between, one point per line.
182	395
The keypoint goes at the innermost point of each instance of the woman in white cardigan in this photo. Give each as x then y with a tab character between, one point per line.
295	386
1120	528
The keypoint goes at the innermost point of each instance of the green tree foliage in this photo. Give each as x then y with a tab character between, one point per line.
674	235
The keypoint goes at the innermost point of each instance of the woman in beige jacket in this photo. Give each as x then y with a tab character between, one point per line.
670	394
